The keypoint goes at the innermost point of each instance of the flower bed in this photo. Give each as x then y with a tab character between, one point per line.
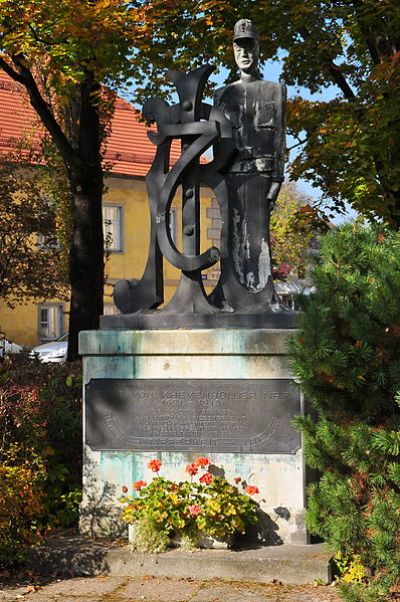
191	513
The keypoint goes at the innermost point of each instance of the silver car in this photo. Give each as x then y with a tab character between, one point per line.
53	351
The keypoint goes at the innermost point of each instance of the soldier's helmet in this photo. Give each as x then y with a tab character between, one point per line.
244	28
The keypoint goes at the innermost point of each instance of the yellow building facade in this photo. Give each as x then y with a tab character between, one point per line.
126	223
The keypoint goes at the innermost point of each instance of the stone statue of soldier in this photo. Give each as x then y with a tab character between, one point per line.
256	110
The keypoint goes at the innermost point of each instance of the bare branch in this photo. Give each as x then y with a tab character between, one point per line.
299	143
333	70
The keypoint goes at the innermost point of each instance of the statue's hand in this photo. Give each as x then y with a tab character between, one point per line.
273	192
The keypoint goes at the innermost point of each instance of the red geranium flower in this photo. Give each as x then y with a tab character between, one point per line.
192	469
124	489
251	490
203	462
237	480
138	485
155	465
206	478
194	510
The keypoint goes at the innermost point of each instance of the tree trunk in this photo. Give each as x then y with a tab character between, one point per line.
86	262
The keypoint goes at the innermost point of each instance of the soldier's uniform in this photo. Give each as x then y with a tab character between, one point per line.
256	112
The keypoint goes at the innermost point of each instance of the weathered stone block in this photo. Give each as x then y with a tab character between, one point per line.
235	355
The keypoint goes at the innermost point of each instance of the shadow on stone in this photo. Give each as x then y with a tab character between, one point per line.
99	515
282	512
69	555
216	471
268	530
261	535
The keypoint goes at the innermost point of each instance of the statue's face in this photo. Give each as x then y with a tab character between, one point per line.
246	51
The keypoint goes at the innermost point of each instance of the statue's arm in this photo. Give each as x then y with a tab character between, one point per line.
279	146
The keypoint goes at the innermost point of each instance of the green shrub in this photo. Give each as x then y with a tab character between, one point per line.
40	427
346	355
148	538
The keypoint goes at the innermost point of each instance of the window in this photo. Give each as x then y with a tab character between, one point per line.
112	227
47	242
51	321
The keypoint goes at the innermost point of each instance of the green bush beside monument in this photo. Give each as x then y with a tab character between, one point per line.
346	355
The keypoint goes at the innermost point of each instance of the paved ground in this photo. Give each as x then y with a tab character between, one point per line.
150	589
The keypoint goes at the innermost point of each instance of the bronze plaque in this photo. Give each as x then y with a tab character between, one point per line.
203	415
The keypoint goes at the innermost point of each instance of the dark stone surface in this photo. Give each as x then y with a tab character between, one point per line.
198	126
256	109
159	320
220	415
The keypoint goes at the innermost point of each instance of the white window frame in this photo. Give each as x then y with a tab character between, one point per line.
107	227
55	330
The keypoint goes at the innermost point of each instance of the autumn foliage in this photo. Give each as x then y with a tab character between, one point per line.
65	55
295	228
31	260
21	504
40	452
347	140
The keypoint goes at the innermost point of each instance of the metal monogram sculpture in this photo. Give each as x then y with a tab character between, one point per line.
245	127
199	126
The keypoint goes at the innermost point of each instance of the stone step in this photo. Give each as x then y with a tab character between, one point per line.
77	556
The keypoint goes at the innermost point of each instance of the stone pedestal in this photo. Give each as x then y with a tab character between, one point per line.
227	355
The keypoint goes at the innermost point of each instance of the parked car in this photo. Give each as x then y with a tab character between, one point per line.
53	351
7	347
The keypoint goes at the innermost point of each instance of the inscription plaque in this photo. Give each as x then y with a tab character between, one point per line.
220	415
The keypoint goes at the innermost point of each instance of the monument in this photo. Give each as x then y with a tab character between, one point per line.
207	372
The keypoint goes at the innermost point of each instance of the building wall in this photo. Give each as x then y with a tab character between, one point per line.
22	324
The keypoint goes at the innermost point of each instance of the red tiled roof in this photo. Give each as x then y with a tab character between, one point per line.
128	149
